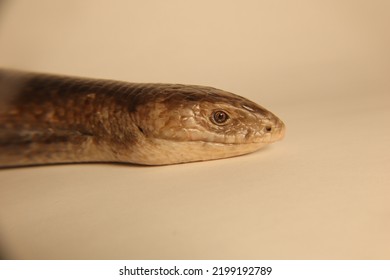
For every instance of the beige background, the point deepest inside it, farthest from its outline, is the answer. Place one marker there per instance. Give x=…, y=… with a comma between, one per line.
x=322, y=193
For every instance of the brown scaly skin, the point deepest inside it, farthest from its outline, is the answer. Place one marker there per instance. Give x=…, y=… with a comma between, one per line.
x=56, y=119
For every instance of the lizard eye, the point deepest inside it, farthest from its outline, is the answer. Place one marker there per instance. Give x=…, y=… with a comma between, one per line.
x=219, y=117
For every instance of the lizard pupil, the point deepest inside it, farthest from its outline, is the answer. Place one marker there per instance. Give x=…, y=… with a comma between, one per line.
x=220, y=117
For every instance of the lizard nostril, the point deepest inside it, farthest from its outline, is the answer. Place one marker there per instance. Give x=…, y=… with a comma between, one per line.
x=268, y=128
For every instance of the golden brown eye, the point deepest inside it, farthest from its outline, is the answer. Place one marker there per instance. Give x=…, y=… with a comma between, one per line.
x=220, y=117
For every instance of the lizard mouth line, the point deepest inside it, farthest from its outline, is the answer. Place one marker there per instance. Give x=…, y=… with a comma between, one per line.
x=212, y=142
